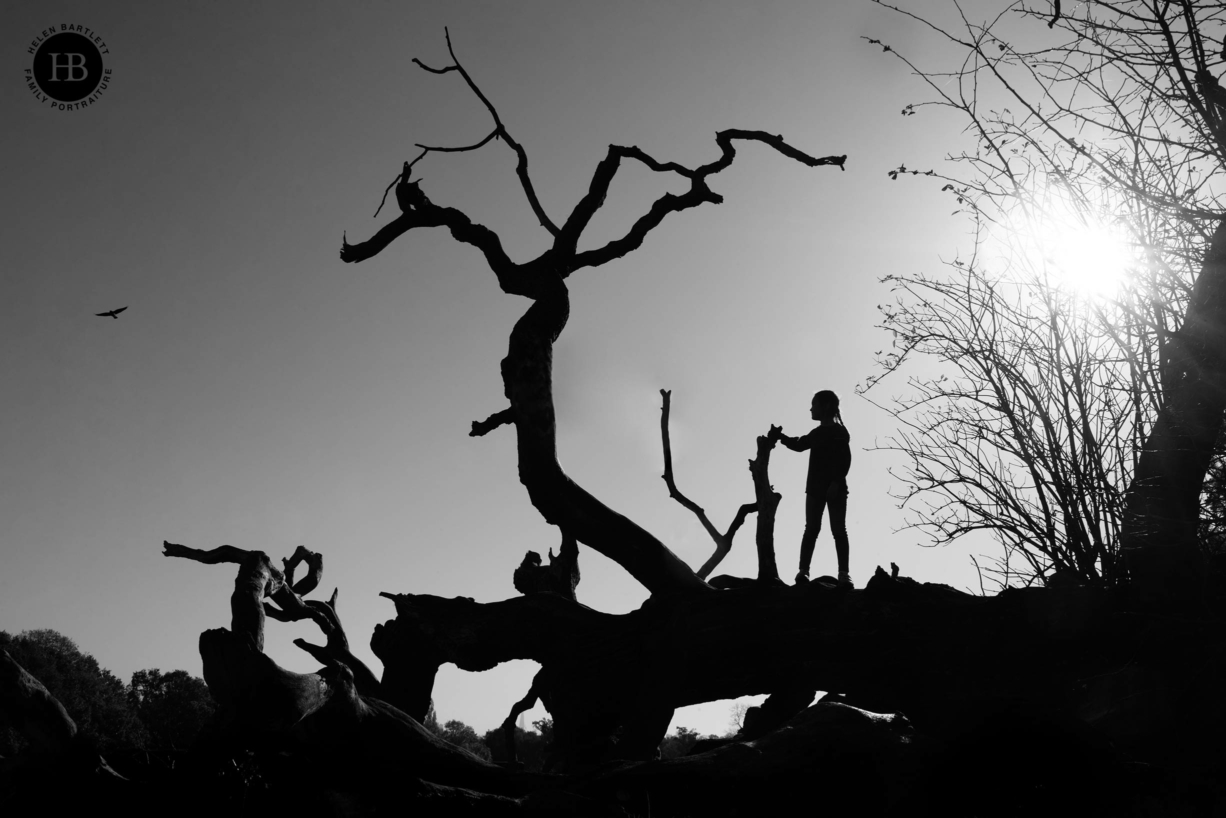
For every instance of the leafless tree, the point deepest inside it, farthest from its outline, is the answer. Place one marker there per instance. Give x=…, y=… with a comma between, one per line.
x=1115, y=107
x=1029, y=425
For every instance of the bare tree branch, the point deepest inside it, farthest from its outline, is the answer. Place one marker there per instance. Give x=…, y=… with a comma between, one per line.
x=499, y=418
x=723, y=542
x=668, y=203
x=500, y=131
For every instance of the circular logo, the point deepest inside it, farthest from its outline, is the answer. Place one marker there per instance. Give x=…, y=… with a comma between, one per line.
x=67, y=66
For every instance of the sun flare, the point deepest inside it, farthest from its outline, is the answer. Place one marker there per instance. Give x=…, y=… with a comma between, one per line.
x=1089, y=258
x=1075, y=250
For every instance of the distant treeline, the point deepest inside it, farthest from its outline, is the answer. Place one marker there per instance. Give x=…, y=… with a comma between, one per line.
x=155, y=711
x=167, y=711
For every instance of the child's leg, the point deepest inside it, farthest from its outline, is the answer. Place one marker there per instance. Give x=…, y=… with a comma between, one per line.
x=836, y=499
x=815, y=504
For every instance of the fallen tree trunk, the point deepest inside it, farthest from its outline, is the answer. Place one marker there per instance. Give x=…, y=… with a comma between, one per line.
x=940, y=656
x=1029, y=675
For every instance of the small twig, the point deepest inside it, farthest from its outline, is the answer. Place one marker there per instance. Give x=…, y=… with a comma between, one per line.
x=404, y=174
x=979, y=571
x=421, y=64
x=484, y=427
x=460, y=149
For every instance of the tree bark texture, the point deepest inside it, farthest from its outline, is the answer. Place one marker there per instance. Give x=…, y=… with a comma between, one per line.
x=1160, y=534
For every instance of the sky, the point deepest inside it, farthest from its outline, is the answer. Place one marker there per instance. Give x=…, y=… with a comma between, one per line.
x=257, y=392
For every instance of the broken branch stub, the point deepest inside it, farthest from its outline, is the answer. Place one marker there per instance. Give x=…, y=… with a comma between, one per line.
x=768, y=502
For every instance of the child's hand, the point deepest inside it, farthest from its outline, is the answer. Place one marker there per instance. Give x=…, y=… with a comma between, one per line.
x=775, y=433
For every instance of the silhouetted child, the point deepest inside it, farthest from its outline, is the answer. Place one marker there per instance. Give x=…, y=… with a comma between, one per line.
x=829, y=448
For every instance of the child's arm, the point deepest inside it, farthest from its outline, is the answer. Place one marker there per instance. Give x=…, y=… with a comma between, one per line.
x=796, y=444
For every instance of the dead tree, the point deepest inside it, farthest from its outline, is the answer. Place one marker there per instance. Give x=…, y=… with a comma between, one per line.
x=527, y=383
x=526, y=371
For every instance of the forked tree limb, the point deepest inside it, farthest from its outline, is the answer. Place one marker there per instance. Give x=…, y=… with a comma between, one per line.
x=724, y=546
x=511, y=276
x=723, y=542
x=698, y=193
x=336, y=651
x=500, y=131
x=562, y=258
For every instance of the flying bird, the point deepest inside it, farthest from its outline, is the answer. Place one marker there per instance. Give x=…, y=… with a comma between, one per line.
x=113, y=313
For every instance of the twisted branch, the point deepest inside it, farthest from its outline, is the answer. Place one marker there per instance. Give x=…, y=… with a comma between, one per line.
x=259, y=580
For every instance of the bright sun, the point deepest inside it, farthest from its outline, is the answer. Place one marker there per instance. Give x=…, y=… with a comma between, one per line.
x=1090, y=258
x=1073, y=249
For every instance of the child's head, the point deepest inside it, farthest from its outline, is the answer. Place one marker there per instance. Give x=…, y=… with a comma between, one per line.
x=826, y=406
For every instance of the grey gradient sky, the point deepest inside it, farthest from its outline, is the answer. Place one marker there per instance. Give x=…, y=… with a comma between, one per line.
x=258, y=392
